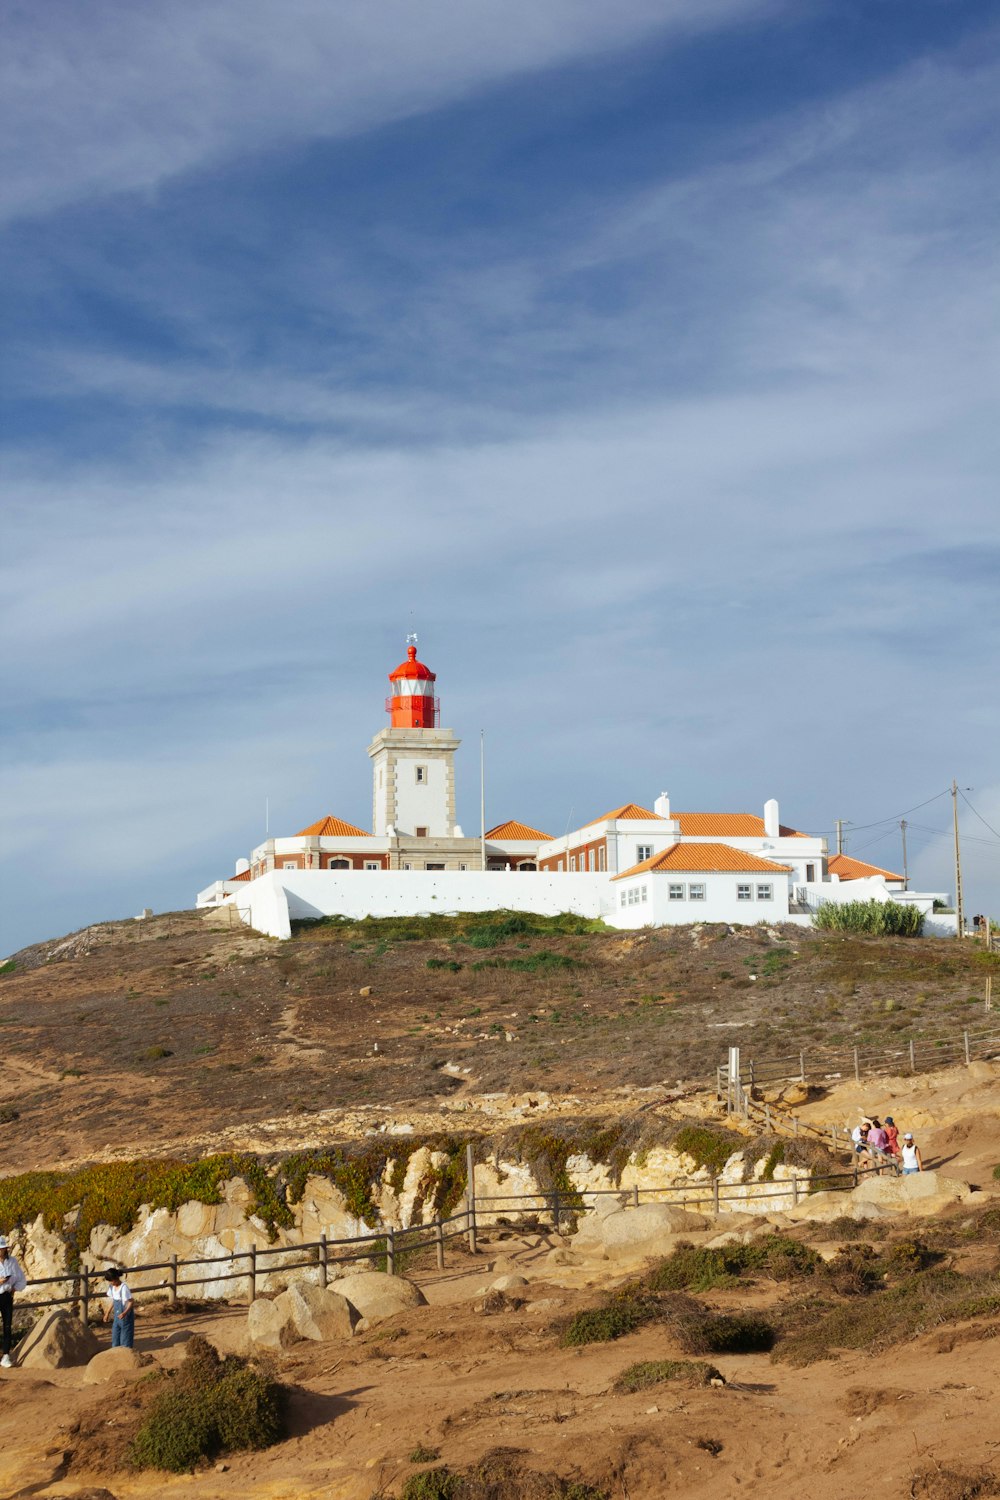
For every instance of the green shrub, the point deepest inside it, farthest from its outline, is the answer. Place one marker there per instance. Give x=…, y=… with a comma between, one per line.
x=444, y=963
x=708, y=1148
x=624, y=1312
x=650, y=1372
x=500, y=1474
x=8, y=967
x=700, y=1269
x=431, y=1484
x=875, y=918
x=727, y=1333
x=213, y=1406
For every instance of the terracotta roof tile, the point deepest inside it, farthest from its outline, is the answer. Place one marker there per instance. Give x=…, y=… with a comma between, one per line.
x=728, y=825
x=708, y=857
x=515, y=830
x=856, y=869
x=243, y=875
x=629, y=810
x=332, y=828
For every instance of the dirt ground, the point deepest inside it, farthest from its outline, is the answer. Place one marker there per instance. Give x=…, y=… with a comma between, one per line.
x=185, y=1033
x=451, y=1379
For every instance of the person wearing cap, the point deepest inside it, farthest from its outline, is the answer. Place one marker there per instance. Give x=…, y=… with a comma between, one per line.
x=12, y=1279
x=912, y=1160
x=120, y=1309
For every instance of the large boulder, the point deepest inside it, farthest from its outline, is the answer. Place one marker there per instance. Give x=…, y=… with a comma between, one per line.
x=57, y=1341
x=376, y=1295
x=919, y=1193
x=116, y=1364
x=318, y=1312
x=823, y=1208
x=634, y=1233
x=302, y=1311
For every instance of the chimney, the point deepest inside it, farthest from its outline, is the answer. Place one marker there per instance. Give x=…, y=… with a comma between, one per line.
x=661, y=806
x=772, y=822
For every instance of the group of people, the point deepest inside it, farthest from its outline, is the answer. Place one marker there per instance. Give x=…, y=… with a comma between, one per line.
x=877, y=1142
x=120, y=1307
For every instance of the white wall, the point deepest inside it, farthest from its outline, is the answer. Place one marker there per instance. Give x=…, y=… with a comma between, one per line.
x=272, y=901
x=720, y=903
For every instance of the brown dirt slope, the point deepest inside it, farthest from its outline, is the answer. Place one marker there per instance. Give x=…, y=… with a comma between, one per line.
x=138, y=1036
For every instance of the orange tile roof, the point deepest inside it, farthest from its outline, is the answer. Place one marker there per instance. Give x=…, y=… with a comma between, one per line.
x=856, y=869
x=627, y=810
x=731, y=825
x=243, y=875
x=332, y=828
x=709, y=857
x=515, y=830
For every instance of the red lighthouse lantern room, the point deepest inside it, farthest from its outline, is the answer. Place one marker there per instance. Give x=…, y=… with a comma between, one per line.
x=413, y=704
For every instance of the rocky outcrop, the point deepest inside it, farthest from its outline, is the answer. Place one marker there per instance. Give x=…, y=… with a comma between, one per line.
x=302, y=1311
x=57, y=1340
x=378, y=1296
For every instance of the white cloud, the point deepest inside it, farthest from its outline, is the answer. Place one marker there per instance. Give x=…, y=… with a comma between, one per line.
x=111, y=96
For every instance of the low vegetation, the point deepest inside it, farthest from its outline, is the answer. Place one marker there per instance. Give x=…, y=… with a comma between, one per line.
x=651, y=1372
x=211, y=1406
x=874, y=918
x=501, y=1474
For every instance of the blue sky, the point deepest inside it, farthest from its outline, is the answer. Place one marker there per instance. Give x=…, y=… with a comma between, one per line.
x=643, y=358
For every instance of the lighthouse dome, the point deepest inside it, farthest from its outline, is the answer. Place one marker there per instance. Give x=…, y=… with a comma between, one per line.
x=411, y=669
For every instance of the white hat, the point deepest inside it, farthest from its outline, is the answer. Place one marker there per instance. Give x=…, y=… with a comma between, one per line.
x=4, y=1242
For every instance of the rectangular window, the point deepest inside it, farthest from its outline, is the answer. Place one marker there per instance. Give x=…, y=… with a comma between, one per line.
x=602, y=858
x=744, y=893
x=406, y=867
x=373, y=864
x=433, y=867
x=421, y=833
x=421, y=773
x=696, y=893
x=642, y=893
x=675, y=893
x=586, y=859
x=572, y=861
x=643, y=851
x=289, y=864
x=765, y=893
x=623, y=898
x=810, y=873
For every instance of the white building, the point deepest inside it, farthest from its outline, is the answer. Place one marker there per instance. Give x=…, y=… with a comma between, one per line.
x=633, y=866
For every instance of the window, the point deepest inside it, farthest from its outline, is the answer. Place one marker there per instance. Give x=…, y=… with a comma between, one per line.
x=372, y=864
x=289, y=864
x=421, y=833
x=765, y=892
x=572, y=861
x=744, y=893
x=339, y=864
x=407, y=867
x=810, y=873
x=643, y=851
x=586, y=859
x=642, y=893
x=675, y=893
x=433, y=867
x=602, y=858
x=463, y=867
x=696, y=893
x=623, y=898
x=421, y=774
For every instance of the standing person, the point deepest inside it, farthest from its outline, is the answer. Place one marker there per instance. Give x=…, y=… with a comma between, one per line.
x=892, y=1135
x=878, y=1141
x=12, y=1279
x=120, y=1309
x=912, y=1160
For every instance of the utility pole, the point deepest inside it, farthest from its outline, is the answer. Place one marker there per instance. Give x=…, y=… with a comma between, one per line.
x=840, y=834
x=906, y=873
x=482, y=798
x=959, y=903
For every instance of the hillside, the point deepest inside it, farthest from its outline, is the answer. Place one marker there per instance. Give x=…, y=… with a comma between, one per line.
x=177, y=1032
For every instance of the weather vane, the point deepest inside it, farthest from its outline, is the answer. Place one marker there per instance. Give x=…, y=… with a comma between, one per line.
x=411, y=639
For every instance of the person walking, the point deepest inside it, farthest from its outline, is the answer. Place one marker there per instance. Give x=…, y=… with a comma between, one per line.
x=12, y=1279
x=878, y=1141
x=912, y=1160
x=120, y=1309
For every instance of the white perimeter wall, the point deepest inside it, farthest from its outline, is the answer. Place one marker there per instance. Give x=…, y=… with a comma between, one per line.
x=271, y=902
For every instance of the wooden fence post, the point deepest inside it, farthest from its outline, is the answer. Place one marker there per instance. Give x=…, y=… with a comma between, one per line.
x=323, y=1259
x=795, y=1188
x=913, y=1060
x=715, y=1196
x=965, y=1038
x=857, y=1067
x=635, y=1195
x=802, y=1067
x=439, y=1243
x=390, y=1251
x=555, y=1209
x=252, y=1257
x=470, y=1196
x=172, y=1291
x=85, y=1296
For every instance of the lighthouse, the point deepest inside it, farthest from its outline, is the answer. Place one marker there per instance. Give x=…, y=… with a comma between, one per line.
x=413, y=761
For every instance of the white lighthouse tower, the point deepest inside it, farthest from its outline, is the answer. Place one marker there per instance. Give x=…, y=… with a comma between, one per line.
x=413, y=760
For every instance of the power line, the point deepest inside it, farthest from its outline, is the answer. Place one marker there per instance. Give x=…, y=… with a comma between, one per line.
x=978, y=815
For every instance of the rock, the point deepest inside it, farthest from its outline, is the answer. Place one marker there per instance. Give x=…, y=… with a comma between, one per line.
x=502, y=1265
x=650, y=1222
x=920, y=1193
x=116, y=1364
x=317, y=1312
x=365, y=991
x=376, y=1295
x=57, y=1341
x=823, y=1208
x=508, y=1284
x=270, y=1324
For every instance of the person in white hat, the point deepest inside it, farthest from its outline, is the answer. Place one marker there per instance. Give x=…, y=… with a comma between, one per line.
x=12, y=1279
